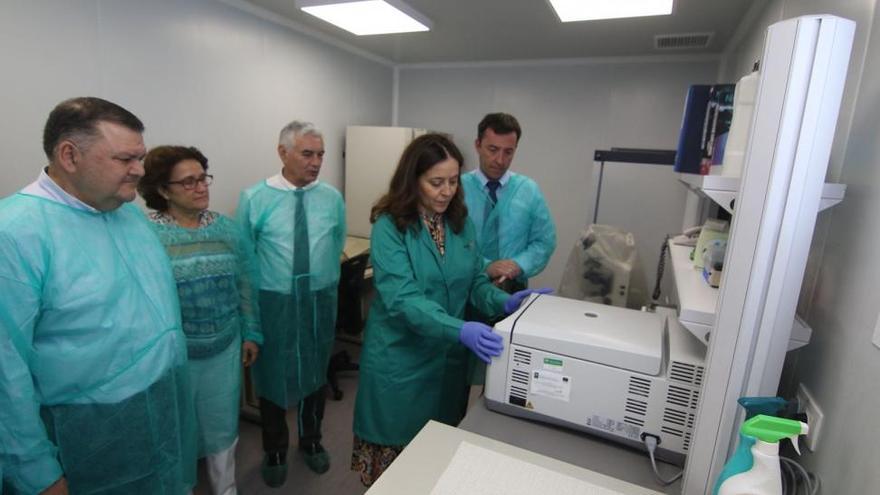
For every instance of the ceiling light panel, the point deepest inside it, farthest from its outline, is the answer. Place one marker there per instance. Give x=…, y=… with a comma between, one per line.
x=367, y=17
x=588, y=10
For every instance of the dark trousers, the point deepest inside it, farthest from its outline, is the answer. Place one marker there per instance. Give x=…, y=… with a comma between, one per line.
x=310, y=413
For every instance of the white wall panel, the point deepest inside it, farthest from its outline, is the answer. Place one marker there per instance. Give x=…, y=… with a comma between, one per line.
x=567, y=111
x=197, y=72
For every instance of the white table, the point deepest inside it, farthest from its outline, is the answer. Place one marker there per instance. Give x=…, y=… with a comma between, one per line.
x=578, y=448
x=424, y=460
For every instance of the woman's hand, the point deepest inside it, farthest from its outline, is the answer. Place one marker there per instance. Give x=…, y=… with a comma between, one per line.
x=249, y=353
x=513, y=302
x=57, y=488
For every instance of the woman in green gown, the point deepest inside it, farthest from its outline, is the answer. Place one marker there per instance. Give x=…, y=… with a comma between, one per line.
x=426, y=268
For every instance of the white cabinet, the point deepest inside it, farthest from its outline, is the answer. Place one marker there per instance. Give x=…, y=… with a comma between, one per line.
x=371, y=155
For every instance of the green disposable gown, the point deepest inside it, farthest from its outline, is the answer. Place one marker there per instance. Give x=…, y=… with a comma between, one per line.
x=93, y=382
x=413, y=368
x=215, y=270
x=297, y=311
x=519, y=227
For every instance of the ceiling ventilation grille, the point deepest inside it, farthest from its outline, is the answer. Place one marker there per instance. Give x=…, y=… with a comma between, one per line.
x=682, y=41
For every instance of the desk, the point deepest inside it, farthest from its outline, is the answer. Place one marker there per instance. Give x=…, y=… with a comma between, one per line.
x=580, y=449
x=353, y=247
x=424, y=460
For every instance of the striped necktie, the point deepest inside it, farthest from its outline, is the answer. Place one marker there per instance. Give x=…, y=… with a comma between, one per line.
x=493, y=186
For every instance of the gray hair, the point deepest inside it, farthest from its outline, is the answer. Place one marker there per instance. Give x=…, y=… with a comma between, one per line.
x=295, y=129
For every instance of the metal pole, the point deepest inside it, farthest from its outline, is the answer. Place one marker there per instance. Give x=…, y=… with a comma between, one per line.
x=598, y=191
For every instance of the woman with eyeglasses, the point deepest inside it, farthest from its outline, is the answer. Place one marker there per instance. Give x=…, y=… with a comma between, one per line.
x=215, y=270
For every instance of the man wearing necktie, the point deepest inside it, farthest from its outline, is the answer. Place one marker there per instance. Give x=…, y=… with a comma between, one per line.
x=298, y=227
x=515, y=231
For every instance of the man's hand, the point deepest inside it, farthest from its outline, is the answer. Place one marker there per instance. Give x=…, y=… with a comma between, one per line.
x=502, y=270
x=57, y=488
x=249, y=353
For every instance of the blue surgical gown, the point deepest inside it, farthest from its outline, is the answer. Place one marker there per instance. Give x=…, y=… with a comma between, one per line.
x=519, y=227
x=93, y=381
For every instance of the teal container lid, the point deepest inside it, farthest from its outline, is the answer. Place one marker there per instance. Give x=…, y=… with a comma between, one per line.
x=770, y=406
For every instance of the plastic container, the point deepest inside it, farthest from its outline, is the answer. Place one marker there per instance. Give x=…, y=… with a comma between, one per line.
x=754, y=467
x=743, y=107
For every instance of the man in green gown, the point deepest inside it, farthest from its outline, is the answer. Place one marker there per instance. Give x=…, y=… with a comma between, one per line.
x=297, y=225
x=93, y=389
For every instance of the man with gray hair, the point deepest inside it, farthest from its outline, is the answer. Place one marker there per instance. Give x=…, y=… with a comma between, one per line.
x=298, y=227
x=93, y=380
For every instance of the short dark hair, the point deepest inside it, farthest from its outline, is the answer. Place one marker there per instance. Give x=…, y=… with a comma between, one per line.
x=401, y=201
x=77, y=118
x=500, y=123
x=158, y=164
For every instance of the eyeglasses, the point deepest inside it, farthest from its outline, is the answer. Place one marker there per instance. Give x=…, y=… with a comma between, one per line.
x=190, y=182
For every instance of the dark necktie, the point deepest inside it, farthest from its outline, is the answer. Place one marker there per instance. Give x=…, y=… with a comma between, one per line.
x=490, y=229
x=493, y=186
x=305, y=311
x=300, y=235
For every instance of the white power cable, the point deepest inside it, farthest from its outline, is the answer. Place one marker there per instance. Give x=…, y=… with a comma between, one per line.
x=799, y=477
x=651, y=444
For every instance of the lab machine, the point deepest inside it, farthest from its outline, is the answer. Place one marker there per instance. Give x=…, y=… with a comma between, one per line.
x=622, y=374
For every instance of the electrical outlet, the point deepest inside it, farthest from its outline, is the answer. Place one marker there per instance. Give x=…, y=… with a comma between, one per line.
x=807, y=404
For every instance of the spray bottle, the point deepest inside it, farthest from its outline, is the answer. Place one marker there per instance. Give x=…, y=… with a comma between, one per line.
x=754, y=468
x=742, y=458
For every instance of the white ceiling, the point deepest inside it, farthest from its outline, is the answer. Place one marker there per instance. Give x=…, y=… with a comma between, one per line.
x=495, y=30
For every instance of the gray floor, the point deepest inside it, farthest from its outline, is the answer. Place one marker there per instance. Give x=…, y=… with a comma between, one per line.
x=300, y=480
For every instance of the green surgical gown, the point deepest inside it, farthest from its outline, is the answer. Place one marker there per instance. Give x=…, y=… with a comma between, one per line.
x=413, y=367
x=215, y=270
x=519, y=227
x=93, y=380
x=297, y=312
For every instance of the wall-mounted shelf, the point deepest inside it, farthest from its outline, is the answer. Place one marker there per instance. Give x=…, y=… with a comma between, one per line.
x=697, y=300
x=723, y=190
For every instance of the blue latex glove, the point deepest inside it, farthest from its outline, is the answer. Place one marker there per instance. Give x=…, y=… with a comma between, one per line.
x=512, y=303
x=480, y=339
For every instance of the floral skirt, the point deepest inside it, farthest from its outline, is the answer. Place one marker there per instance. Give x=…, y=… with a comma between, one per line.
x=371, y=460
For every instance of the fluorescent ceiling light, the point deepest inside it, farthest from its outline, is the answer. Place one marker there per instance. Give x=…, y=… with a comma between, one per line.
x=367, y=16
x=588, y=10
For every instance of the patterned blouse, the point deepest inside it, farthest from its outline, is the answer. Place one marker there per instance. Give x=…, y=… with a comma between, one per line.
x=214, y=269
x=434, y=222
x=206, y=218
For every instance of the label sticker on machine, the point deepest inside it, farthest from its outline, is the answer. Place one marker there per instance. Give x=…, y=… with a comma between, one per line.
x=550, y=384
x=616, y=427
x=553, y=364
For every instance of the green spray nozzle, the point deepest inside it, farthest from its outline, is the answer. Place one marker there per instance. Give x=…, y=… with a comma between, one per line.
x=771, y=429
x=769, y=406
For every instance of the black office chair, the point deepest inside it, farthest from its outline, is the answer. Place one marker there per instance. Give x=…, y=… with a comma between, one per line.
x=349, y=318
